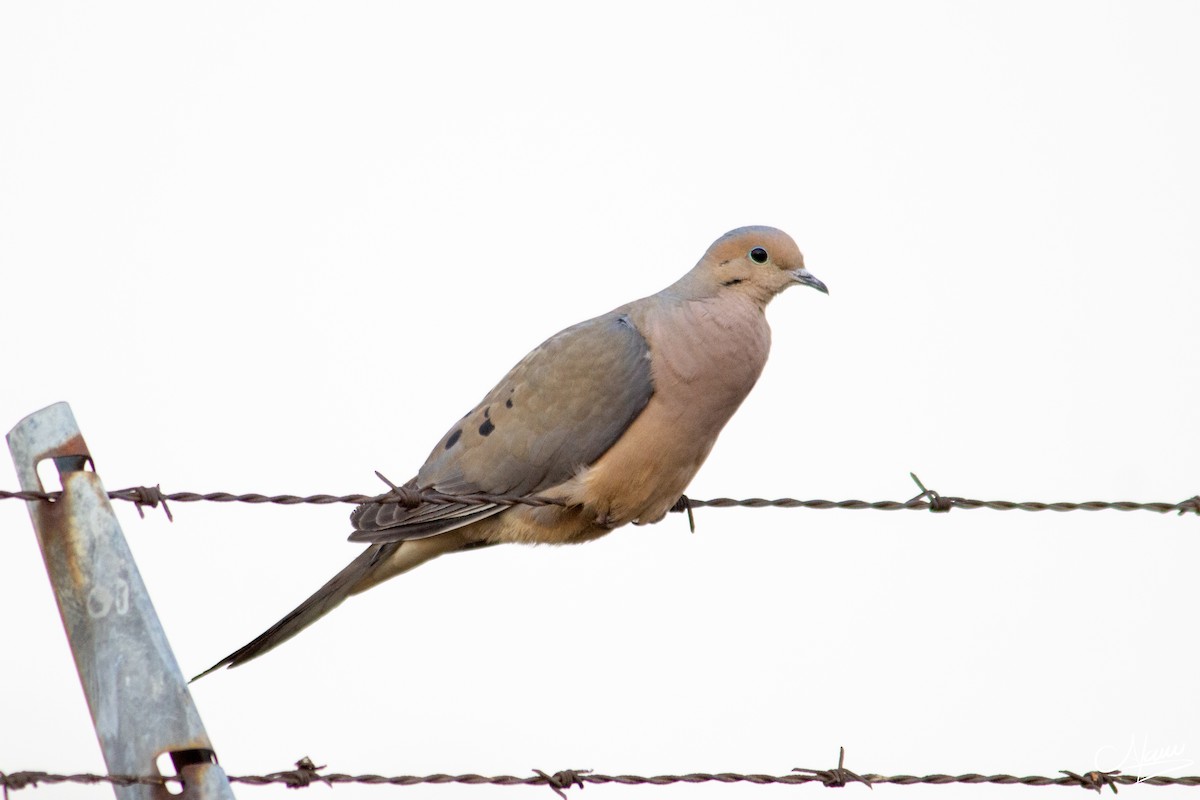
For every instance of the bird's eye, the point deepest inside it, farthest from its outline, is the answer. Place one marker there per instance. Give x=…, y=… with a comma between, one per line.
x=758, y=255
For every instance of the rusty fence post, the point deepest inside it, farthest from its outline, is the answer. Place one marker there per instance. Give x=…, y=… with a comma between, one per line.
x=139, y=700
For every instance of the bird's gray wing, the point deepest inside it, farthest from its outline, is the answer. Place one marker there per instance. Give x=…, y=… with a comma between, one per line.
x=557, y=411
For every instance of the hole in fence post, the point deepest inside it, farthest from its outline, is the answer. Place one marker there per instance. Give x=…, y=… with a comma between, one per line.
x=48, y=475
x=51, y=470
x=173, y=763
x=182, y=759
x=166, y=767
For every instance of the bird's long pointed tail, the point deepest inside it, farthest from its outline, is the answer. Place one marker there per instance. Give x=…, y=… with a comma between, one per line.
x=375, y=565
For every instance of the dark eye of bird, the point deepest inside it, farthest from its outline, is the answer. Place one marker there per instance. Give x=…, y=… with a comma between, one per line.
x=759, y=255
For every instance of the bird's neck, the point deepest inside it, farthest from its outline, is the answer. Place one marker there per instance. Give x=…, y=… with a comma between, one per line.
x=700, y=286
x=725, y=347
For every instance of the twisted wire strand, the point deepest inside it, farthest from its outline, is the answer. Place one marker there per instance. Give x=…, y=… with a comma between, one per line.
x=307, y=774
x=927, y=501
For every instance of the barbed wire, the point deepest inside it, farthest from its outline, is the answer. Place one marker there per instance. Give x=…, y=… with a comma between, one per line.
x=927, y=500
x=308, y=773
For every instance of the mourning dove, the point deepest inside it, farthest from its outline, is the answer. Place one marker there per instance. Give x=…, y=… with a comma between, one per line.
x=612, y=417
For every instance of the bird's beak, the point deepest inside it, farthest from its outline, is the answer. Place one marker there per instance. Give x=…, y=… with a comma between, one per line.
x=808, y=279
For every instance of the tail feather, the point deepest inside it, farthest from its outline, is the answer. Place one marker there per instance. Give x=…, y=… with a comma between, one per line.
x=322, y=601
x=376, y=564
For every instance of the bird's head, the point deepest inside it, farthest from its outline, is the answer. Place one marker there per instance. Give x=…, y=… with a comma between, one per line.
x=756, y=260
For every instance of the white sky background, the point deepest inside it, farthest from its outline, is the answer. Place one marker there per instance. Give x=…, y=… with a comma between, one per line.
x=273, y=247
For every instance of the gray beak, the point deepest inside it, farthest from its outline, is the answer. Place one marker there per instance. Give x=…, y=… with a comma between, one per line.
x=808, y=279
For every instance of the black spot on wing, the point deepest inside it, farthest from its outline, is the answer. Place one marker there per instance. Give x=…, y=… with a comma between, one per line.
x=453, y=438
x=508, y=403
x=486, y=428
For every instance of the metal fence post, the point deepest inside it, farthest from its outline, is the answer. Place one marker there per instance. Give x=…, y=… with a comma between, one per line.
x=139, y=700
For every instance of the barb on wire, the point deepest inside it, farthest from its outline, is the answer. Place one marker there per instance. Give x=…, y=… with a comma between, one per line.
x=1191, y=504
x=839, y=775
x=150, y=496
x=1095, y=779
x=927, y=500
x=937, y=503
x=563, y=780
x=684, y=503
x=307, y=773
